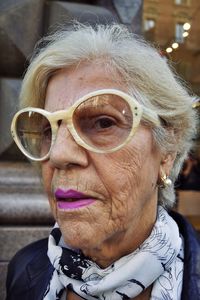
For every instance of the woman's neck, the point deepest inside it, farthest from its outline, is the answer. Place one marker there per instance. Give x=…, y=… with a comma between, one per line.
x=144, y=295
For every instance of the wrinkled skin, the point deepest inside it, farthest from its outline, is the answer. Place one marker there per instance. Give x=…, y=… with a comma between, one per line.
x=124, y=182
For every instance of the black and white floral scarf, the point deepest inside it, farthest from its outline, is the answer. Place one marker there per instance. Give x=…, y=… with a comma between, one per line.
x=158, y=261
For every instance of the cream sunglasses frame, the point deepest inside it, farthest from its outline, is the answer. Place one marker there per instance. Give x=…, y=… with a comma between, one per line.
x=137, y=110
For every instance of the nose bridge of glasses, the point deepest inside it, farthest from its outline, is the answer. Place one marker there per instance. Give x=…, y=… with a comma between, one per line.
x=57, y=118
x=61, y=119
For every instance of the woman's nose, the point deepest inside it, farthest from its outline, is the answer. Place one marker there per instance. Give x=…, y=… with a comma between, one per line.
x=65, y=151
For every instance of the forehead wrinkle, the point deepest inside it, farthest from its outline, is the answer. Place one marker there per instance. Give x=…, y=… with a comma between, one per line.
x=60, y=102
x=70, y=84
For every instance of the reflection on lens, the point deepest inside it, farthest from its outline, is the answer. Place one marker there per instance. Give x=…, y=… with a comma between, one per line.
x=103, y=122
x=34, y=133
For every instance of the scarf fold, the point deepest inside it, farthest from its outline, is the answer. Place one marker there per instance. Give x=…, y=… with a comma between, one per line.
x=158, y=261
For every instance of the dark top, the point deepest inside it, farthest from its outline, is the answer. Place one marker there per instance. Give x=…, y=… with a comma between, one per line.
x=30, y=270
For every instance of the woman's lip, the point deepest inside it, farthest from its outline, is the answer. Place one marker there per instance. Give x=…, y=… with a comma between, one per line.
x=64, y=194
x=65, y=205
x=72, y=199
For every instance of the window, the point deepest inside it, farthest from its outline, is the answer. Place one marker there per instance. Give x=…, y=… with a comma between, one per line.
x=181, y=2
x=149, y=29
x=179, y=33
x=149, y=24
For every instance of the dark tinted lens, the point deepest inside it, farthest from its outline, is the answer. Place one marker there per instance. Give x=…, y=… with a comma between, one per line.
x=34, y=132
x=103, y=122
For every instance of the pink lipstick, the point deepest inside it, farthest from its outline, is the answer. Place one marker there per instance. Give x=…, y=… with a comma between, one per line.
x=72, y=199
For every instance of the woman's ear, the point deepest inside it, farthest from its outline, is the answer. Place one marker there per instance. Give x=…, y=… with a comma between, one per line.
x=166, y=164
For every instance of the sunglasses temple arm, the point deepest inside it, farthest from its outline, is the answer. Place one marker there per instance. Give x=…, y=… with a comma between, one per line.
x=151, y=116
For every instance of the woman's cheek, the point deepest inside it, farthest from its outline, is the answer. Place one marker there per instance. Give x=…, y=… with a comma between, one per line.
x=47, y=176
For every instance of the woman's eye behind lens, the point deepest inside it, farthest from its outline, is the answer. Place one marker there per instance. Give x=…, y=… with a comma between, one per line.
x=102, y=123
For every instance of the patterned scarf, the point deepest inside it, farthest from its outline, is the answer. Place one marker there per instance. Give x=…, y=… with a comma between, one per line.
x=158, y=261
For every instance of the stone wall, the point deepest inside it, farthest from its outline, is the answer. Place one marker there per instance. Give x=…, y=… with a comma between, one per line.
x=24, y=212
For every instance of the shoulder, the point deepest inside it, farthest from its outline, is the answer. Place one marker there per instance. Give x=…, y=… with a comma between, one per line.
x=26, y=265
x=191, y=237
x=191, y=276
x=25, y=256
x=28, y=252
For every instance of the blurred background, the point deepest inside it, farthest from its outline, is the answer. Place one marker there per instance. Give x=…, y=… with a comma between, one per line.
x=171, y=25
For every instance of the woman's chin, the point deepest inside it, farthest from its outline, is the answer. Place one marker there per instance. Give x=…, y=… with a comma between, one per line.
x=84, y=244
x=78, y=235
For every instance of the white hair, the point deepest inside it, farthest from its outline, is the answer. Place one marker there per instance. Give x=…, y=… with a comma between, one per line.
x=146, y=74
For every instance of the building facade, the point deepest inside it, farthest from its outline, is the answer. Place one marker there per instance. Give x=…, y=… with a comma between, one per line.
x=173, y=25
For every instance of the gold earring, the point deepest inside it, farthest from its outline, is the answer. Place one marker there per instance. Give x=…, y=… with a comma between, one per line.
x=165, y=181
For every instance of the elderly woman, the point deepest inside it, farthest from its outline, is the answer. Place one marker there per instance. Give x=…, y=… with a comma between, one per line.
x=110, y=126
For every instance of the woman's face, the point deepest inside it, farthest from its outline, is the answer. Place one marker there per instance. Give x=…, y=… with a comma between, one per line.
x=122, y=183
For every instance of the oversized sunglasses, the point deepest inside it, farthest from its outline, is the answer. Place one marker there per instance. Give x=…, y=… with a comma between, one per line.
x=102, y=121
